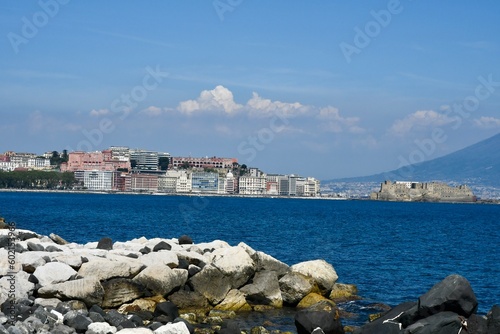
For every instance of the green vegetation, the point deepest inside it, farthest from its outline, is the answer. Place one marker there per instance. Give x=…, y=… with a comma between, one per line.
x=57, y=159
x=37, y=180
x=163, y=163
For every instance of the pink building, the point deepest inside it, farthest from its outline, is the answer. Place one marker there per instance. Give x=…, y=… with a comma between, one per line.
x=101, y=161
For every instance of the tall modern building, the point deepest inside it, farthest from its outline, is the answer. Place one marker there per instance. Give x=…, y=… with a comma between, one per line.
x=144, y=160
x=98, y=180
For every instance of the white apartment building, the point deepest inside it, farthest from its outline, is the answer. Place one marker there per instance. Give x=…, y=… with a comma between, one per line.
x=183, y=183
x=98, y=180
x=252, y=185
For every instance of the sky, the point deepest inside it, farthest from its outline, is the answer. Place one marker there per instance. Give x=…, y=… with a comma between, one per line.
x=327, y=89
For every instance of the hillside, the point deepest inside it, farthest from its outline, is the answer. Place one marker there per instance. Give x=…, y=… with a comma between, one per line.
x=475, y=165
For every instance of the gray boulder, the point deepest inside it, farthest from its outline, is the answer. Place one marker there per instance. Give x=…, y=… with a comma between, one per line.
x=493, y=320
x=118, y=291
x=235, y=263
x=161, y=279
x=264, y=261
x=212, y=283
x=104, y=269
x=264, y=290
x=88, y=290
x=442, y=323
x=294, y=287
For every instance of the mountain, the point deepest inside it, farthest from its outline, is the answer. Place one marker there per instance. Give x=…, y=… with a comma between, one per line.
x=476, y=165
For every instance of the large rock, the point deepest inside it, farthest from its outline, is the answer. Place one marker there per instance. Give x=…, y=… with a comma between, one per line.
x=100, y=328
x=453, y=294
x=57, y=239
x=118, y=291
x=294, y=287
x=493, y=321
x=235, y=263
x=166, y=258
x=388, y=323
x=173, y=328
x=32, y=260
x=264, y=290
x=312, y=299
x=135, y=331
x=264, y=261
x=235, y=301
x=23, y=287
x=72, y=260
x=189, y=301
x=161, y=279
x=53, y=272
x=321, y=271
x=442, y=323
x=342, y=292
x=143, y=304
x=326, y=319
x=212, y=283
x=88, y=290
x=104, y=269
x=105, y=243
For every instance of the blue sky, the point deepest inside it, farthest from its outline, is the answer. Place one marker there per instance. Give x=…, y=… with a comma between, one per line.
x=326, y=89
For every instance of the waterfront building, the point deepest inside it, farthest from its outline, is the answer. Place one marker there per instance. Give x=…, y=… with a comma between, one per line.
x=184, y=183
x=168, y=181
x=205, y=182
x=144, y=182
x=98, y=180
x=252, y=185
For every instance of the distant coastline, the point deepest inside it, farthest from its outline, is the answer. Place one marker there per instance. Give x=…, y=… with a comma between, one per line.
x=331, y=198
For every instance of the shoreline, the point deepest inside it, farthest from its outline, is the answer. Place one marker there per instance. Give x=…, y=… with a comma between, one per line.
x=480, y=201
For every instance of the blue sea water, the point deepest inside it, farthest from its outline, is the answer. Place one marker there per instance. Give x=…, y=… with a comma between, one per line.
x=392, y=251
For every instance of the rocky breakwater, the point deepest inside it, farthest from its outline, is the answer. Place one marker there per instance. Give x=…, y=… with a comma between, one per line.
x=156, y=286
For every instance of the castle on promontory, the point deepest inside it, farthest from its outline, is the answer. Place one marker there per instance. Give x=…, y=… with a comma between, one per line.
x=422, y=192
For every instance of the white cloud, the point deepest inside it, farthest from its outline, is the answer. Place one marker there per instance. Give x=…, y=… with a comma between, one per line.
x=218, y=99
x=260, y=107
x=487, y=122
x=152, y=111
x=418, y=120
x=99, y=112
x=334, y=122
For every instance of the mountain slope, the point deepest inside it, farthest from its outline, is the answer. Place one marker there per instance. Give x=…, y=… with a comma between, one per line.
x=478, y=164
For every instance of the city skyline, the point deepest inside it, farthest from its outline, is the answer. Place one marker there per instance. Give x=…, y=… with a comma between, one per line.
x=332, y=90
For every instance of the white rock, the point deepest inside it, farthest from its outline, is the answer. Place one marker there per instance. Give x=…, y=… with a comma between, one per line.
x=5, y=266
x=60, y=317
x=103, y=269
x=32, y=260
x=192, y=257
x=135, y=331
x=234, y=262
x=164, y=257
x=161, y=279
x=74, y=261
x=321, y=271
x=47, y=302
x=53, y=272
x=20, y=281
x=216, y=244
x=100, y=328
x=173, y=328
x=88, y=290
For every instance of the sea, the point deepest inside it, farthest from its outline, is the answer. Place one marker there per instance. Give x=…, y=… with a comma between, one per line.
x=393, y=251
